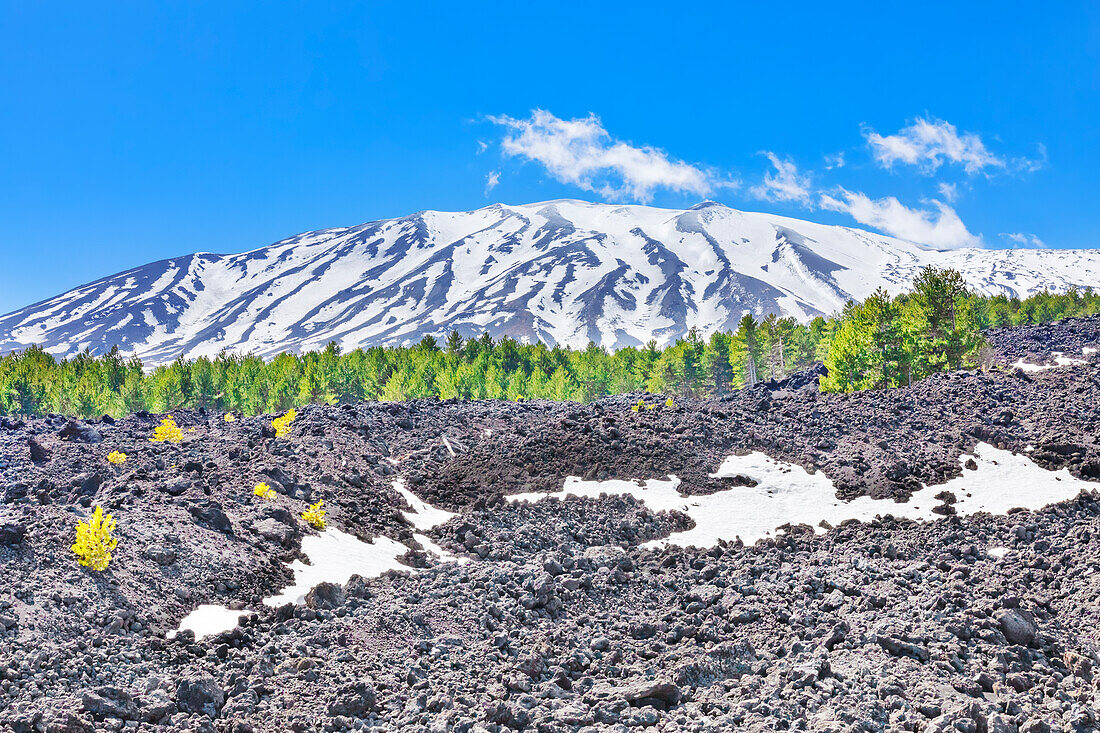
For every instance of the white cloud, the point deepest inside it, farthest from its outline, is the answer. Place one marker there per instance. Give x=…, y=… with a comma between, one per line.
x=949, y=191
x=940, y=228
x=582, y=153
x=482, y=146
x=835, y=160
x=786, y=184
x=1023, y=239
x=928, y=144
x=491, y=181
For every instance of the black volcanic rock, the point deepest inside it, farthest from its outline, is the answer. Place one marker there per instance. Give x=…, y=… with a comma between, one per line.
x=565, y=614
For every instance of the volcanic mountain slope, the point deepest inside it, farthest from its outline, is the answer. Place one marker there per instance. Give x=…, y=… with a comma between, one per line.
x=562, y=615
x=561, y=272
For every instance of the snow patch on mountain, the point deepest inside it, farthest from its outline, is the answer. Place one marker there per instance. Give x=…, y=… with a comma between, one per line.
x=562, y=272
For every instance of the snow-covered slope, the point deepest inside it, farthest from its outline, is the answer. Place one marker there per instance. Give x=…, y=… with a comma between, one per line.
x=563, y=272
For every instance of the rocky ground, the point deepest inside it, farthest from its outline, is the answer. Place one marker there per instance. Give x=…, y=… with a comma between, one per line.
x=560, y=620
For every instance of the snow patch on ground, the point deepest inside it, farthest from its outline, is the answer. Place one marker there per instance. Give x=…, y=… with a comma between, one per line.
x=438, y=551
x=1060, y=360
x=423, y=515
x=208, y=619
x=788, y=494
x=334, y=557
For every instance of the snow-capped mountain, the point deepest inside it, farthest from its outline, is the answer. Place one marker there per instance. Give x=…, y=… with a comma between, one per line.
x=563, y=272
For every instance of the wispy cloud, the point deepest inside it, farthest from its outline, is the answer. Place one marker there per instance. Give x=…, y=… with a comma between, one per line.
x=928, y=144
x=785, y=184
x=491, y=181
x=582, y=153
x=835, y=160
x=1030, y=165
x=1023, y=239
x=939, y=227
x=949, y=191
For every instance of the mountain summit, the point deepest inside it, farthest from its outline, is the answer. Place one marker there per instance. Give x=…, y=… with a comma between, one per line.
x=563, y=272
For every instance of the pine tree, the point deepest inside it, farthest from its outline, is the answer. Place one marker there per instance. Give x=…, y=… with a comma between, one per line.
x=716, y=364
x=454, y=344
x=747, y=337
x=940, y=292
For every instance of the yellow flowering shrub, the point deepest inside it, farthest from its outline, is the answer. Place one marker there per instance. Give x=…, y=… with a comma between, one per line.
x=116, y=458
x=669, y=403
x=230, y=417
x=94, y=540
x=282, y=424
x=264, y=491
x=167, y=431
x=315, y=515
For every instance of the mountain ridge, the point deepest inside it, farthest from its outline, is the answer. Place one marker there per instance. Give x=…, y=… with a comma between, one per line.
x=563, y=272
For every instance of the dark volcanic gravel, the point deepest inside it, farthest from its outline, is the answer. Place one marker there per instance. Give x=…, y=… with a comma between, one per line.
x=559, y=620
x=1035, y=344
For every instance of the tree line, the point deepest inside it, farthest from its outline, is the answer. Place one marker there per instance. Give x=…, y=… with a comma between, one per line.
x=883, y=342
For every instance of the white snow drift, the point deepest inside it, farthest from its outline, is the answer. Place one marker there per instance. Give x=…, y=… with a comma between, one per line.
x=334, y=556
x=208, y=619
x=787, y=493
x=1060, y=360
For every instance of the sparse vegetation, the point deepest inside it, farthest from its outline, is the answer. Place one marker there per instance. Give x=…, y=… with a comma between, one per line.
x=95, y=540
x=883, y=342
x=263, y=491
x=116, y=458
x=167, y=432
x=314, y=516
x=282, y=424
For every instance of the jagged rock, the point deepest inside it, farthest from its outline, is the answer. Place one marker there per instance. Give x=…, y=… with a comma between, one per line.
x=275, y=531
x=1018, y=626
x=326, y=596
x=200, y=695
x=12, y=532
x=110, y=702
x=901, y=648
x=38, y=452
x=653, y=693
x=79, y=432
x=212, y=515
x=354, y=699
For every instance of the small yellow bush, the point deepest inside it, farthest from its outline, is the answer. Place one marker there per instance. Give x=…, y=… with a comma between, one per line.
x=669, y=403
x=282, y=424
x=315, y=515
x=94, y=541
x=264, y=491
x=167, y=431
x=230, y=417
x=116, y=457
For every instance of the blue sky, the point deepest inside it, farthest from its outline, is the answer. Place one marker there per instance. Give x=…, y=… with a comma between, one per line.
x=134, y=131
